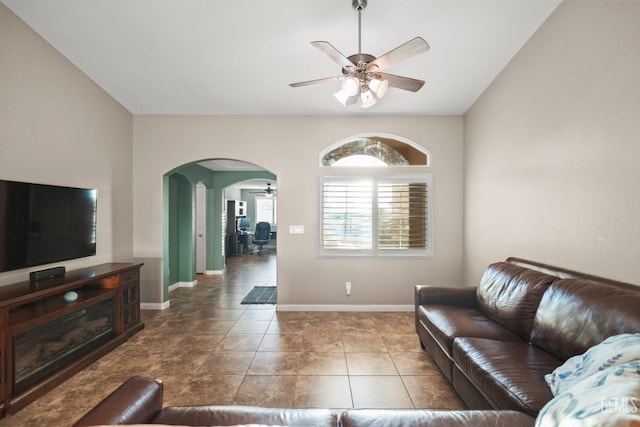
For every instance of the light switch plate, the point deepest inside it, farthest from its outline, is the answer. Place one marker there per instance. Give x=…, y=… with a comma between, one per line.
x=296, y=229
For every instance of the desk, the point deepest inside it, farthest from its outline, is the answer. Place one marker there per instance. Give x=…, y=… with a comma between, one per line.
x=239, y=243
x=245, y=239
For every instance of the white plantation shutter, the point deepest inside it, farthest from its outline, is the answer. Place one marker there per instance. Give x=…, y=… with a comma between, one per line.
x=376, y=216
x=347, y=215
x=402, y=215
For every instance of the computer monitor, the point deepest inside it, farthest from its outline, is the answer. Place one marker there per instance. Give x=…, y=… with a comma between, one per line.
x=244, y=224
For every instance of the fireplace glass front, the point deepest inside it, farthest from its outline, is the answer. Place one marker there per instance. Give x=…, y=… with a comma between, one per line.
x=45, y=348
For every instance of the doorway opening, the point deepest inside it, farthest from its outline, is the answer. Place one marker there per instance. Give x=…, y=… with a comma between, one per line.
x=211, y=209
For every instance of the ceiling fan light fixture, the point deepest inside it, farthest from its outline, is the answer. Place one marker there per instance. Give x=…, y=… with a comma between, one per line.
x=379, y=87
x=368, y=99
x=350, y=86
x=344, y=98
x=362, y=73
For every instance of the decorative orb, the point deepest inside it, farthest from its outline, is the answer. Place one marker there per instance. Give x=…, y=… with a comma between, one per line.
x=70, y=296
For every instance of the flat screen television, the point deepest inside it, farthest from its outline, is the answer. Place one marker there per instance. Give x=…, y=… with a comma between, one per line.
x=42, y=224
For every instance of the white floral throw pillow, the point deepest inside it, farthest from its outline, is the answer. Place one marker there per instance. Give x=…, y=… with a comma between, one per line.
x=608, y=398
x=613, y=351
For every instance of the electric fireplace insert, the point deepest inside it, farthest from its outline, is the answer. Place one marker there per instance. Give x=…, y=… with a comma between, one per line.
x=43, y=349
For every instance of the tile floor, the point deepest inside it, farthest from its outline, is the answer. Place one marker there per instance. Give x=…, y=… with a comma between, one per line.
x=209, y=349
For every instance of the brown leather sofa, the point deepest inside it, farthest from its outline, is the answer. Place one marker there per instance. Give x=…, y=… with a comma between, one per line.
x=139, y=401
x=495, y=342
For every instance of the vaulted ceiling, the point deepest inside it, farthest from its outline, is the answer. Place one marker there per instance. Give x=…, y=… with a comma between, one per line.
x=238, y=57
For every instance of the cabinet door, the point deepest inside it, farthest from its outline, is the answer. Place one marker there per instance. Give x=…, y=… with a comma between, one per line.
x=130, y=306
x=3, y=360
x=129, y=299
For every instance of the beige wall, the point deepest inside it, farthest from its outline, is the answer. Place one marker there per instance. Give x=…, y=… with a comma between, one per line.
x=552, y=148
x=549, y=162
x=290, y=147
x=58, y=127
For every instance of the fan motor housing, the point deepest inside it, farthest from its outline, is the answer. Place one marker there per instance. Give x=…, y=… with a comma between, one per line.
x=361, y=60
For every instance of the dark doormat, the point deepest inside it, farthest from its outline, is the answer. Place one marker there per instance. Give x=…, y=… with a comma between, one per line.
x=261, y=295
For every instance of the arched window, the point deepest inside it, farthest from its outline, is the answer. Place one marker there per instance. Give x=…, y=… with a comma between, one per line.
x=387, y=149
x=376, y=198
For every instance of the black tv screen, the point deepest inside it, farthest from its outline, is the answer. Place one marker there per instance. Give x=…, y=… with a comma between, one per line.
x=41, y=224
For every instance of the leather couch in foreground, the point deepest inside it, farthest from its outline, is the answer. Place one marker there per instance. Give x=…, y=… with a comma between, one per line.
x=139, y=401
x=496, y=342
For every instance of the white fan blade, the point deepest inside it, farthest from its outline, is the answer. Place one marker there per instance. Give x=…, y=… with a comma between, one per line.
x=312, y=82
x=400, y=82
x=411, y=48
x=333, y=53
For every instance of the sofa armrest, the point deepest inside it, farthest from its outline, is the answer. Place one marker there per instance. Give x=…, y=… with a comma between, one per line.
x=137, y=401
x=456, y=296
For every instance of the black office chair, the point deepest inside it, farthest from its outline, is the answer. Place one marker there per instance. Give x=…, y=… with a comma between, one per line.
x=262, y=236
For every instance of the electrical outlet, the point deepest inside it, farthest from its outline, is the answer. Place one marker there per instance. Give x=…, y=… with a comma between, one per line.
x=347, y=287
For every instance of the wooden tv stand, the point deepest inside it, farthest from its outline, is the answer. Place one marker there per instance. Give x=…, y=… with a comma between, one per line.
x=45, y=340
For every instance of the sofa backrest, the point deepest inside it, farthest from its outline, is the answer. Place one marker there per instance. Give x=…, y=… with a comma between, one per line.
x=576, y=314
x=509, y=294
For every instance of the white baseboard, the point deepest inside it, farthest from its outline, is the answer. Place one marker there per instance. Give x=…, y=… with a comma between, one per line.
x=187, y=284
x=213, y=272
x=307, y=307
x=344, y=307
x=154, y=306
x=182, y=285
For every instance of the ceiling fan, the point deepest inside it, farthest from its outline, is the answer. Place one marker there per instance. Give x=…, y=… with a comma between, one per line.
x=362, y=74
x=267, y=191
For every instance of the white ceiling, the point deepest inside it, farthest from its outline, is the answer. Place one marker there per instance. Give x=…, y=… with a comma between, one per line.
x=231, y=165
x=238, y=57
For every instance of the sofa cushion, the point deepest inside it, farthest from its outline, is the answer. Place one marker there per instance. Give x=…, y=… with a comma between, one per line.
x=606, y=398
x=448, y=322
x=509, y=294
x=509, y=373
x=575, y=314
x=420, y=418
x=615, y=350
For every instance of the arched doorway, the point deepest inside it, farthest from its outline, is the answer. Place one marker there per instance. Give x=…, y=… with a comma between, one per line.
x=180, y=225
